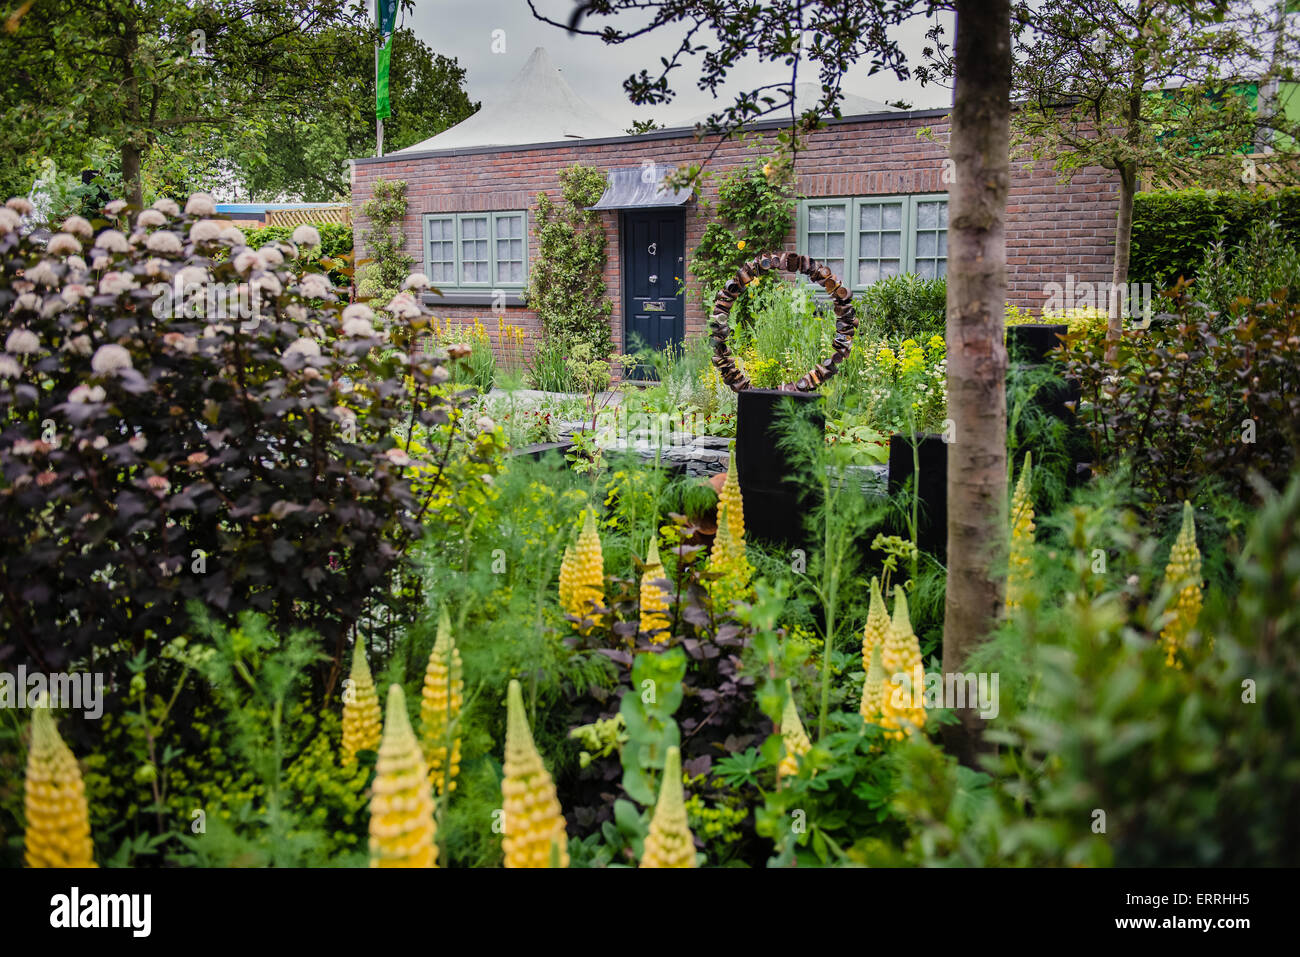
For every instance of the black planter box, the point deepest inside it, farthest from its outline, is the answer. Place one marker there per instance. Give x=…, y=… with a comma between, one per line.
x=775, y=503
x=1032, y=342
x=537, y=451
x=1029, y=345
x=931, y=484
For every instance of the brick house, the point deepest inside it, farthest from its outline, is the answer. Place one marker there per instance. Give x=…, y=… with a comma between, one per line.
x=873, y=202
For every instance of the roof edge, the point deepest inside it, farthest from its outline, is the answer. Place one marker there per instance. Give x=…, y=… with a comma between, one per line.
x=672, y=133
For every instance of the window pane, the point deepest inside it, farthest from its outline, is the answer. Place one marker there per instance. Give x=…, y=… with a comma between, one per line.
x=509, y=227
x=891, y=244
x=889, y=267
x=511, y=272
x=925, y=268
x=868, y=272
x=925, y=245
x=475, y=228
x=941, y=267
x=836, y=266
x=869, y=218
x=943, y=243
x=869, y=245
x=893, y=216
x=943, y=215
x=835, y=245
x=816, y=218
x=836, y=217
x=817, y=245
x=927, y=215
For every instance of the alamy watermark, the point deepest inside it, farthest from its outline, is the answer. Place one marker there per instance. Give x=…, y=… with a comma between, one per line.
x=977, y=691
x=60, y=690
x=1131, y=301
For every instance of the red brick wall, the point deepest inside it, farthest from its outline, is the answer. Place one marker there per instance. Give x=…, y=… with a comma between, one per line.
x=1052, y=228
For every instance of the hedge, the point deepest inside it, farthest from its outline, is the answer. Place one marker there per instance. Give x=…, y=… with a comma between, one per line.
x=335, y=242
x=1173, y=229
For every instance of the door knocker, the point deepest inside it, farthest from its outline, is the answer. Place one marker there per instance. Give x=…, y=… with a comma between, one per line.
x=654, y=249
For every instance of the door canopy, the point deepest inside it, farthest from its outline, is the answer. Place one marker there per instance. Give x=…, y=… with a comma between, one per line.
x=640, y=187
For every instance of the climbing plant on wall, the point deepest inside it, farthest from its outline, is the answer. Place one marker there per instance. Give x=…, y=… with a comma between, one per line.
x=389, y=265
x=752, y=214
x=567, y=289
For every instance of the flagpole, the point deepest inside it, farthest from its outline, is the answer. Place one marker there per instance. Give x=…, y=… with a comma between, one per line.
x=379, y=120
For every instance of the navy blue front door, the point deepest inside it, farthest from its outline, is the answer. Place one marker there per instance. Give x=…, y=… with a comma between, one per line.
x=654, y=253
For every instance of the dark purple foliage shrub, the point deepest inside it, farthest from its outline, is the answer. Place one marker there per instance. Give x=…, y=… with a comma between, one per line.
x=182, y=419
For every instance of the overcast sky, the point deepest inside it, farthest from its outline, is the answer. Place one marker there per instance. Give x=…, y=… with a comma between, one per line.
x=464, y=29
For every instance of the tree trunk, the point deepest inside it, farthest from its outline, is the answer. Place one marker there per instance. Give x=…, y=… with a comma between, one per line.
x=977, y=356
x=131, y=181
x=1123, y=247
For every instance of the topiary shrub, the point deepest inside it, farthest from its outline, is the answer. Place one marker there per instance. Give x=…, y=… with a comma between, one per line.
x=907, y=305
x=157, y=449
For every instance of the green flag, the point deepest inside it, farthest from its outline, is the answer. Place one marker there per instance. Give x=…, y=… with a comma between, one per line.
x=386, y=18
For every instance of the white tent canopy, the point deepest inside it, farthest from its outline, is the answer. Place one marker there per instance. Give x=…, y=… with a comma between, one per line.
x=806, y=96
x=540, y=108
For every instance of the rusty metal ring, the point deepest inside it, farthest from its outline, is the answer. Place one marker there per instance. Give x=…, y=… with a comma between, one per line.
x=846, y=320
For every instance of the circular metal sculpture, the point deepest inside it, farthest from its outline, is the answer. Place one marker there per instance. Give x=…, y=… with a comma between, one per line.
x=846, y=321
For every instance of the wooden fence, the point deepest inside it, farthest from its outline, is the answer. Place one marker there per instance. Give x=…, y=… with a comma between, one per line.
x=1268, y=170
x=317, y=214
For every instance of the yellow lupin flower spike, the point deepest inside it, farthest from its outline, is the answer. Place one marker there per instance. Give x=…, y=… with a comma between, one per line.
x=670, y=842
x=794, y=735
x=588, y=570
x=401, y=803
x=727, y=556
x=654, y=598
x=568, y=574
x=440, y=704
x=1183, y=573
x=902, y=706
x=361, y=717
x=732, y=502
x=534, y=834
x=877, y=626
x=873, y=689
x=1019, y=562
x=58, y=820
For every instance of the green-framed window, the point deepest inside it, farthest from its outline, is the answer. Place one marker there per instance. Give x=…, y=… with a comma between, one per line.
x=826, y=233
x=867, y=238
x=487, y=250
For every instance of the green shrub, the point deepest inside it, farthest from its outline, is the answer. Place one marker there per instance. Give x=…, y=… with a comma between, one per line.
x=1106, y=755
x=752, y=215
x=1173, y=230
x=1254, y=270
x=906, y=305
